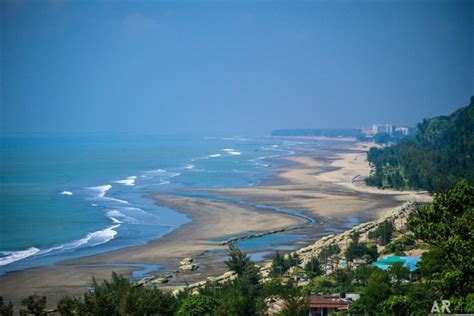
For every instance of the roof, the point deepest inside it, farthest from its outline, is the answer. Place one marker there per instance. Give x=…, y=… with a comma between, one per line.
x=385, y=262
x=326, y=302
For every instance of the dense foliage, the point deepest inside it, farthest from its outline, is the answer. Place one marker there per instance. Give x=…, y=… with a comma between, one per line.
x=383, y=233
x=358, y=250
x=441, y=153
x=447, y=226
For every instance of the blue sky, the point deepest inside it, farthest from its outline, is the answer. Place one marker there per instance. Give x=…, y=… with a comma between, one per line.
x=218, y=66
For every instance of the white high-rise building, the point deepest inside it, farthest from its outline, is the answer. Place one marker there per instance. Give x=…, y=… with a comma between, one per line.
x=383, y=128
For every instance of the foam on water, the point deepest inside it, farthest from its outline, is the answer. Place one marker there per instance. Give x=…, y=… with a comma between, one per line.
x=231, y=151
x=129, y=181
x=214, y=155
x=91, y=239
x=114, y=214
x=12, y=256
x=101, y=190
x=66, y=193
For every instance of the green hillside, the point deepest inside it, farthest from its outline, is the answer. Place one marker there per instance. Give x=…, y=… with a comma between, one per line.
x=438, y=156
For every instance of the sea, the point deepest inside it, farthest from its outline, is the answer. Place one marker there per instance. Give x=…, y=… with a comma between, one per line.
x=65, y=197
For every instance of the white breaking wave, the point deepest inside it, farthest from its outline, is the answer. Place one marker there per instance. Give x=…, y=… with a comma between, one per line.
x=12, y=256
x=102, y=190
x=190, y=166
x=215, y=155
x=66, y=193
x=129, y=181
x=115, y=221
x=231, y=151
x=115, y=214
x=91, y=239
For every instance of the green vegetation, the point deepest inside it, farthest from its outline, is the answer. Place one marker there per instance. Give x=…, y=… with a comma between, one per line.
x=438, y=156
x=238, y=260
x=447, y=226
x=398, y=246
x=5, y=309
x=358, y=250
x=383, y=233
x=34, y=304
x=197, y=305
x=281, y=264
x=313, y=267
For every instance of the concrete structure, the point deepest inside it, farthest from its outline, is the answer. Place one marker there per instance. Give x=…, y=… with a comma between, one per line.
x=405, y=130
x=319, y=305
x=383, y=128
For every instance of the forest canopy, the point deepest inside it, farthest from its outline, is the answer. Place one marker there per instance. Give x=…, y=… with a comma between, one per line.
x=440, y=154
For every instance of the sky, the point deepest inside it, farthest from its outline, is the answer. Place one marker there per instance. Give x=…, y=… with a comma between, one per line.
x=229, y=67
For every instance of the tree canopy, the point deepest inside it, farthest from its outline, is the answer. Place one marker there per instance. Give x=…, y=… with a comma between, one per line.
x=441, y=154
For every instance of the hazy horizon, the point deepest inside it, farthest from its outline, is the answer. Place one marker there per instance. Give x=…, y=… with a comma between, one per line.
x=227, y=67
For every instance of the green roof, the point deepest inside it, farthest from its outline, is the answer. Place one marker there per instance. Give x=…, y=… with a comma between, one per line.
x=390, y=260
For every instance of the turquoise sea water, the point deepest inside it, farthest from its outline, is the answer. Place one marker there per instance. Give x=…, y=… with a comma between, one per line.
x=70, y=196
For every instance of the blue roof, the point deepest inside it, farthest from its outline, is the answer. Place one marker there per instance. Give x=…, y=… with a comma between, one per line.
x=408, y=261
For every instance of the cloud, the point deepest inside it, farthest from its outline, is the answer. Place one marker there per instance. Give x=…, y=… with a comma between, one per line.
x=137, y=22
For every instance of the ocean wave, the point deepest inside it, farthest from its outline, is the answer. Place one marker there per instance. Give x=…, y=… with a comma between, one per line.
x=189, y=166
x=12, y=256
x=231, y=151
x=214, y=155
x=115, y=221
x=91, y=239
x=101, y=190
x=129, y=181
x=66, y=193
x=115, y=214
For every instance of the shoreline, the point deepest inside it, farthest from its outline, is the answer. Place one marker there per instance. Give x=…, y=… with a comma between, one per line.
x=308, y=184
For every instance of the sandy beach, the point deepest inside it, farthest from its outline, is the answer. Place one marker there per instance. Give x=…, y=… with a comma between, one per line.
x=323, y=184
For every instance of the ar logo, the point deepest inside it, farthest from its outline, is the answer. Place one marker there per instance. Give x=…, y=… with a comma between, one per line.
x=435, y=309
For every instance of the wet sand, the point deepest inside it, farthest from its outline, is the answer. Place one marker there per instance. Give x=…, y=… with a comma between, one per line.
x=318, y=182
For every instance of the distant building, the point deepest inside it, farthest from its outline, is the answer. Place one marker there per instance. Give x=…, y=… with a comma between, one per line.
x=405, y=131
x=383, y=128
x=320, y=305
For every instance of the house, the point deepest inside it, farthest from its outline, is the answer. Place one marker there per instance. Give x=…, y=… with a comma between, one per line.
x=320, y=305
x=359, y=262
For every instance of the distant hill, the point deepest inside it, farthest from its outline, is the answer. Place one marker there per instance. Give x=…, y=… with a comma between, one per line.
x=329, y=132
x=441, y=153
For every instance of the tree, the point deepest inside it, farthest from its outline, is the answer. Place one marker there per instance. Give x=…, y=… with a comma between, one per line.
x=378, y=289
x=362, y=273
x=381, y=138
x=397, y=305
x=197, y=305
x=67, y=306
x=343, y=278
x=296, y=305
x=446, y=224
x=34, y=304
x=313, y=266
x=384, y=232
x=238, y=260
x=435, y=159
x=279, y=265
x=294, y=259
x=357, y=249
x=6, y=309
x=398, y=272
